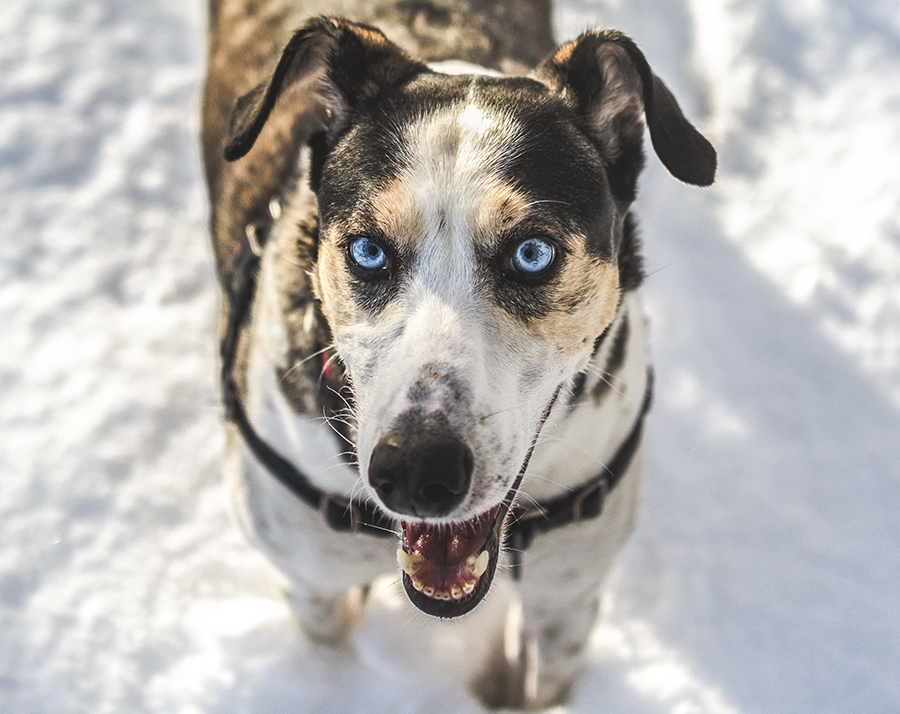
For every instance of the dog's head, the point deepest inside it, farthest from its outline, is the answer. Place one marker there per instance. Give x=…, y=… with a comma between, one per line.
x=470, y=231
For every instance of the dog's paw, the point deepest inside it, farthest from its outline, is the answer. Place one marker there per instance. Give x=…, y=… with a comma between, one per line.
x=512, y=679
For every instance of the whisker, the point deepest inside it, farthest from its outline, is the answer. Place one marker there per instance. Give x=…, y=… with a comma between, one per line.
x=526, y=497
x=600, y=372
x=499, y=411
x=664, y=267
x=575, y=446
x=605, y=377
x=328, y=421
x=299, y=364
x=388, y=585
x=547, y=479
x=545, y=200
x=331, y=360
x=350, y=408
x=616, y=389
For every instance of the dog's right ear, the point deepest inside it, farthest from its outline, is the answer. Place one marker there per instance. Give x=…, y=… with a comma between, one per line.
x=330, y=64
x=609, y=81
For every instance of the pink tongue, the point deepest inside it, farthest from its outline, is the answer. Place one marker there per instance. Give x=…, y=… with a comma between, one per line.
x=450, y=544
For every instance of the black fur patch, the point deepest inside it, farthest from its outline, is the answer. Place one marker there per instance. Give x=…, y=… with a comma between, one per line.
x=319, y=150
x=630, y=258
x=580, y=381
x=613, y=363
x=558, y=167
x=577, y=388
x=552, y=162
x=598, y=343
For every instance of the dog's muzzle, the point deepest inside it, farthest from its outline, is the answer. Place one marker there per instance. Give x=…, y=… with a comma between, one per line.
x=422, y=469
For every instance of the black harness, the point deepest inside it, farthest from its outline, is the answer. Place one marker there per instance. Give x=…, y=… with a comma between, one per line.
x=346, y=515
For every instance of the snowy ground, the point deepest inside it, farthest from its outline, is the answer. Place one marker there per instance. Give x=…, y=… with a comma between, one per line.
x=765, y=575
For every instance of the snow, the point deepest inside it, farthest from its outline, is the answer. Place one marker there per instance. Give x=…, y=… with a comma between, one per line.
x=764, y=575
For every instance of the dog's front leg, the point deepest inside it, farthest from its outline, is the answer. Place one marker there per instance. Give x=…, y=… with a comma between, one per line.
x=326, y=617
x=538, y=654
x=560, y=588
x=553, y=636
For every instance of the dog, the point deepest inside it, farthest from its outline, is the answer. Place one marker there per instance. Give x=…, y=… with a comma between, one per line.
x=434, y=354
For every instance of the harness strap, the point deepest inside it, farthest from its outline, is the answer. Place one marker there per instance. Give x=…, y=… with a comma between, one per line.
x=346, y=515
x=341, y=513
x=585, y=502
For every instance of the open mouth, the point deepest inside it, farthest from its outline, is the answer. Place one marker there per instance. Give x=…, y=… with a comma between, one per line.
x=448, y=568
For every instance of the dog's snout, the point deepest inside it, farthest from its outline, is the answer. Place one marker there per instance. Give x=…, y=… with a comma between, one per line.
x=421, y=474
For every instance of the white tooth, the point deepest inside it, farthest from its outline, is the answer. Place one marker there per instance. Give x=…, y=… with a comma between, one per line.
x=418, y=584
x=456, y=592
x=477, y=564
x=409, y=562
x=444, y=595
x=468, y=587
x=428, y=590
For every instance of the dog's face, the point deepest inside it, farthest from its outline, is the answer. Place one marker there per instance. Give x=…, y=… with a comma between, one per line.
x=467, y=264
x=465, y=279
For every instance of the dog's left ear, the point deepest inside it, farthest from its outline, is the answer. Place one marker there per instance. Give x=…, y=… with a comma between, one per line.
x=610, y=83
x=330, y=68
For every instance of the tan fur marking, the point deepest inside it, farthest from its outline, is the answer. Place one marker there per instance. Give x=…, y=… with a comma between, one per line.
x=333, y=289
x=592, y=286
x=554, y=70
x=500, y=209
x=397, y=211
x=564, y=53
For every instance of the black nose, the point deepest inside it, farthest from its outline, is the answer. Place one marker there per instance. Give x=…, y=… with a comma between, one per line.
x=421, y=471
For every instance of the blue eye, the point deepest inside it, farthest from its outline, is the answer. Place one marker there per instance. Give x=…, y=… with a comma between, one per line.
x=367, y=254
x=532, y=256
